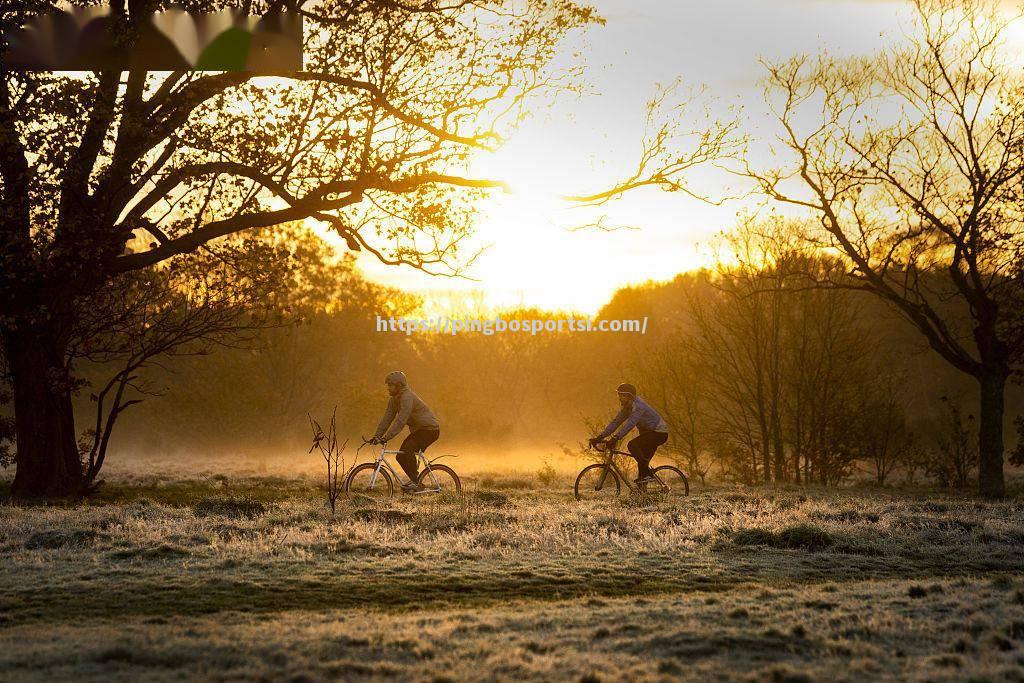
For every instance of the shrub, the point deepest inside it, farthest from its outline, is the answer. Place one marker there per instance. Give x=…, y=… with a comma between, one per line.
x=799, y=537
x=52, y=539
x=753, y=536
x=803, y=537
x=492, y=498
x=547, y=475
x=235, y=508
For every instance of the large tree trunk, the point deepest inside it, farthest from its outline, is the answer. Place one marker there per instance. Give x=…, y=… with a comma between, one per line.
x=47, y=453
x=990, y=433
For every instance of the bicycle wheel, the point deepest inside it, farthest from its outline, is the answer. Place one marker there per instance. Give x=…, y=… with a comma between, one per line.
x=358, y=483
x=597, y=482
x=672, y=481
x=440, y=477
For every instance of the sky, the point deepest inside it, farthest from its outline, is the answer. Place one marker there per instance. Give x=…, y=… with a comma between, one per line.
x=533, y=256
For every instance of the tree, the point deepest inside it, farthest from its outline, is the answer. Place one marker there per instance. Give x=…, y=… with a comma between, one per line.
x=954, y=456
x=7, y=433
x=907, y=165
x=221, y=296
x=911, y=164
x=736, y=340
x=888, y=442
x=677, y=382
x=370, y=140
x=788, y=372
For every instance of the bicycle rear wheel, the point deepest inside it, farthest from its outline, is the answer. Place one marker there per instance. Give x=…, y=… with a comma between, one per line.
x=672, y=481
x=361, y=483
x=597, y=482
x=440, y=479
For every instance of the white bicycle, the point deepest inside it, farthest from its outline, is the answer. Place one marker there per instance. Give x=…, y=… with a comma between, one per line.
x=377, y=479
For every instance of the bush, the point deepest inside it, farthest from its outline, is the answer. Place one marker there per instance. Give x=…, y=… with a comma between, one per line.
x=492, y=498
x=235, y=508
x=53, y=539
x=547, y=475
x=753, y=536
x=803, y=537
x=799, y=537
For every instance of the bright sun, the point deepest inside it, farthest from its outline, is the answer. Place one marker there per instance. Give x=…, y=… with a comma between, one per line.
x=545, y=251
x=537, y=248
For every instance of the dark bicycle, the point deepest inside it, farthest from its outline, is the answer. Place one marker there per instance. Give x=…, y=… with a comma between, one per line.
x=605, y=479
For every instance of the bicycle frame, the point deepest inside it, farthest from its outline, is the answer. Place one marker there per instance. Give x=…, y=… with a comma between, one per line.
x=609, y=464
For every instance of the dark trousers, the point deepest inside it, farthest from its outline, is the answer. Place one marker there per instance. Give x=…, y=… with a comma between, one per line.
x=643, y=447
x=416, y=441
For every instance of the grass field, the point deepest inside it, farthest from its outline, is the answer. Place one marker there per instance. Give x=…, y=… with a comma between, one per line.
x=250, y=577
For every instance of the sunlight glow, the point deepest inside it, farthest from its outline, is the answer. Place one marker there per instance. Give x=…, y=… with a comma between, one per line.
x=535, y=250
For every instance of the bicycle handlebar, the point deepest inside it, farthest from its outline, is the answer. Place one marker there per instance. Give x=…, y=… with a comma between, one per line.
x=366, y=442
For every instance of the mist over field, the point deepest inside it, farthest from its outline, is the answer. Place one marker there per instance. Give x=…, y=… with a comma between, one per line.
x=519, y=401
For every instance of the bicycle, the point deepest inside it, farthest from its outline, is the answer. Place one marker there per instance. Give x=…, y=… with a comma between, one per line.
x=377, y=479
x=593, y=481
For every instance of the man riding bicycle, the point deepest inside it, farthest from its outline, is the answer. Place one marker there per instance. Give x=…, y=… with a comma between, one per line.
x=653, y=431
x=406, y=408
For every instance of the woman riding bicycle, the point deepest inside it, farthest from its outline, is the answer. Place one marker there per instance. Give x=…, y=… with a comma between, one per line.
x=653, y=431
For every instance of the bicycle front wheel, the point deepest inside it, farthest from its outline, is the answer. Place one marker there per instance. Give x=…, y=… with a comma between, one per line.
x=671, y=481
x=440, y=479
x=366, y=483
x=597, y=482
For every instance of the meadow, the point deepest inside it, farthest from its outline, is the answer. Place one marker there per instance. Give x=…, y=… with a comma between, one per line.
x=172, y=574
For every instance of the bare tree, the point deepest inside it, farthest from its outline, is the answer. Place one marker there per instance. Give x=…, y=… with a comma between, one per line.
x=887, y=441
x=911, y=164
x=333, y=454
x=205, y=300
x=788, y=368
x=955, y=456
x=906, y=160
x=730, y=342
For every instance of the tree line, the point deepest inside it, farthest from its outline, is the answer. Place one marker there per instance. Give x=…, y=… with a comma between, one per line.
x=761, y=378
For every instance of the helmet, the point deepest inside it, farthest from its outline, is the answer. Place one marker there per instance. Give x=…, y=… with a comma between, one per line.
x=396, y=377
x=626, y=389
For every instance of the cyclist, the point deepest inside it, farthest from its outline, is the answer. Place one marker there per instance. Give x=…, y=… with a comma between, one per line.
x=406, y=408
x=653, y=431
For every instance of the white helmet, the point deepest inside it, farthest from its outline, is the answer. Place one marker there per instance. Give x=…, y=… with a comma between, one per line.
x=396, y=377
